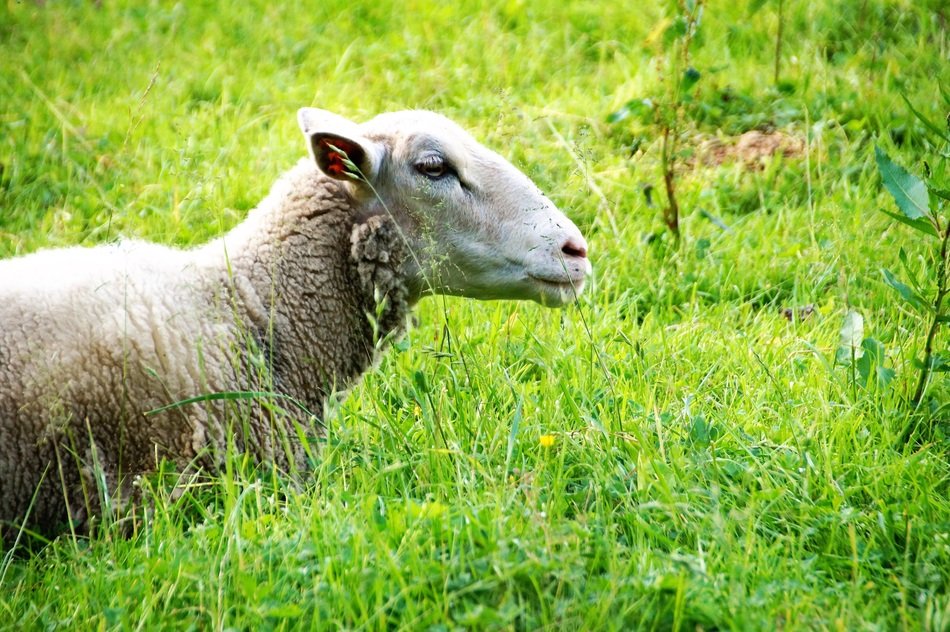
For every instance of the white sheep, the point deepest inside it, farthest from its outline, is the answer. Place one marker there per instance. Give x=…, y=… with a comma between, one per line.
x=294, y=300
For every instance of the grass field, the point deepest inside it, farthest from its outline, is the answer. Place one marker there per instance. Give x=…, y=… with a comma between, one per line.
x=670, y=453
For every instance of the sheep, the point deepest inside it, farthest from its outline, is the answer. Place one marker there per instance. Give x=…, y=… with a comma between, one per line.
x=111, y=357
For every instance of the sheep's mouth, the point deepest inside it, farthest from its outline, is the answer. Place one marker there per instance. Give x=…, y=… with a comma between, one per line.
x=562, y=290
x=565, y=282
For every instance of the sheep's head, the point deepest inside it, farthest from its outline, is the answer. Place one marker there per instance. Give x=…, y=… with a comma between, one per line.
x=476, y=226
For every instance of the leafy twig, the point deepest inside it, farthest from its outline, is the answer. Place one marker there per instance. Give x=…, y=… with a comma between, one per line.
x=913, y=197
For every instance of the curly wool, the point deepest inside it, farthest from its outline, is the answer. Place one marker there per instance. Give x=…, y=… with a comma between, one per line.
x=293, y=300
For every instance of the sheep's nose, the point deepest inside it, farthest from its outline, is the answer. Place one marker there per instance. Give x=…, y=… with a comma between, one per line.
x=575, y=247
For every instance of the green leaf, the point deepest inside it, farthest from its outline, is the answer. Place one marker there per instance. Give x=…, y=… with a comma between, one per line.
x=634, y=107
x=939, y=363
x=941, y=193
x=850, y=337
x=929, y=125
x=618, y=115
x=910, y=274
x=922, y=224
x=755, y=6
x=908, y=190
x=702, y=247
x=674, y=31
x=884, y=375
x=690, y=77
x=870, y=366
x=703, y=432
x=907, y=293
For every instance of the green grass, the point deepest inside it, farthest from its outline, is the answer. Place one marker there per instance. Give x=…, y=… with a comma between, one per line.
x=712, y=468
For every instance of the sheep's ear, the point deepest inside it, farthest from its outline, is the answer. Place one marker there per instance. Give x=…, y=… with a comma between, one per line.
x=340, y=157
x=339, y=149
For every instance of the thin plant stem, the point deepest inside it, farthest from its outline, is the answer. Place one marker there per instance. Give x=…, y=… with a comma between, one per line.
x=671, y=214
x=935, y=324
x=778, y=41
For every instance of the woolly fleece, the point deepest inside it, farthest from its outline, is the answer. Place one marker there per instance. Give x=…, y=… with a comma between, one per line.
x=92, y=339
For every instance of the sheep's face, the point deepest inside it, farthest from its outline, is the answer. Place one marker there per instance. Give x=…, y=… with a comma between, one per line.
x=475, y=224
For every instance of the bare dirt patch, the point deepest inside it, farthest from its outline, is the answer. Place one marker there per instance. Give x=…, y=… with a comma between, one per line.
x=753, y=148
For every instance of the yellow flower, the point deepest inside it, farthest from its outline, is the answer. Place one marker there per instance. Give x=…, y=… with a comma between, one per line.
x=546, y=440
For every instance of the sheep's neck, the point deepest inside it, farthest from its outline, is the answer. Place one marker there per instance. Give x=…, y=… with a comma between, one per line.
x=314, y=305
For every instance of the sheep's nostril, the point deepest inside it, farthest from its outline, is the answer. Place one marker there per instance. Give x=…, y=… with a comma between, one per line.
x=573, y=248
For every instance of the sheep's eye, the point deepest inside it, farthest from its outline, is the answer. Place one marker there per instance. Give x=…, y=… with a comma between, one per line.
x=434, y=167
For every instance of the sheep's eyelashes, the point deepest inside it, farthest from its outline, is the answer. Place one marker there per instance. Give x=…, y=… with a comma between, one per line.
x=433, y=168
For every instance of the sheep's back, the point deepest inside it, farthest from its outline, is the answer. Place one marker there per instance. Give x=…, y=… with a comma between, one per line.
x=90, y=340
